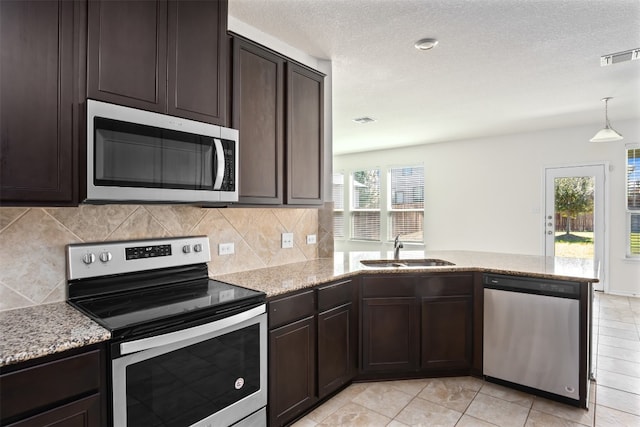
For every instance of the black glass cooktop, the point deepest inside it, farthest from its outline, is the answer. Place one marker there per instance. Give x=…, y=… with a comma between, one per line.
x=169, y=304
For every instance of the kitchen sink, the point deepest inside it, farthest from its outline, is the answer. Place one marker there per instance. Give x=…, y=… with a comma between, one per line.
x=403, y=263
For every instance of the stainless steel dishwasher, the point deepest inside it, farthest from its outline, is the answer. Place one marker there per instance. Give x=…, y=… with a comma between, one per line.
x=531, y=333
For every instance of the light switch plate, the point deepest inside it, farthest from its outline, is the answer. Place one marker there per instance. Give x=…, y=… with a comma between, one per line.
x=287, y=240
x=311, y=239
x=226, y=249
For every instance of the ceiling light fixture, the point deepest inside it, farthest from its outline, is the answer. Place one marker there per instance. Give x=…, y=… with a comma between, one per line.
x=426, y=44
x=364, y=120
x=607, y=133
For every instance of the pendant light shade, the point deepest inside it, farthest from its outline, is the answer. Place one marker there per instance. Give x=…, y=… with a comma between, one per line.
x=607, y=133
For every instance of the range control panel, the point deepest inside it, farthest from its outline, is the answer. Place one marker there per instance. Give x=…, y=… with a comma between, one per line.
x=105, y=258
x=147, y=251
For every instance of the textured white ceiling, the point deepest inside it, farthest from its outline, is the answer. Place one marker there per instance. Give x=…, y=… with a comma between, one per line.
x=502, y=66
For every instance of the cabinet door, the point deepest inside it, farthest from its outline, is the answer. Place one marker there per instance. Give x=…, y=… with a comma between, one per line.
x=80, y=413
x=337, y=348
x=292, y=368
x=390, y=334
x=259, y=116
x=197, y=61
x=305, y=140
x=41, y=69
x=446, y=332
x=127, y=53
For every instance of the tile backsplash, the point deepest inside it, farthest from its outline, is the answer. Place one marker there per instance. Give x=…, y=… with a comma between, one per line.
x=33, y=240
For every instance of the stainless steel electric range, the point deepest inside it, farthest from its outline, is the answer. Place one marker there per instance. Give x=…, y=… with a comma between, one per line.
x=185, y=350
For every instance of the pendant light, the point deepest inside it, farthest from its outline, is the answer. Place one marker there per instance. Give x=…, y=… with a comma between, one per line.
x=607, y=133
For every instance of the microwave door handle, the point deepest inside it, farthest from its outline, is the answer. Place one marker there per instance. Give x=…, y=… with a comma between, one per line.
x=220, y=164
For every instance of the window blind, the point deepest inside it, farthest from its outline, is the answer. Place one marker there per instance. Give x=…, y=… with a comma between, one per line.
x=633, y=200
x=407, y=203
x=365, y=209
x=338, y=204
x=633, y=179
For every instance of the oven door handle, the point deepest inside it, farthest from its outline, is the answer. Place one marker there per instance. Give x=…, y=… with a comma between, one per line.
x=196, y=331
x=219, y=165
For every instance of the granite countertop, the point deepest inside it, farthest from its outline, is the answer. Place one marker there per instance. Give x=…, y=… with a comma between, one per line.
x=32, y=332
x=37, y=331
x=290, y=277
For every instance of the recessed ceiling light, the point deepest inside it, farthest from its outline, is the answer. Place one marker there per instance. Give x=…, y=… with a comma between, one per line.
x=426, y=44
x=364, y=120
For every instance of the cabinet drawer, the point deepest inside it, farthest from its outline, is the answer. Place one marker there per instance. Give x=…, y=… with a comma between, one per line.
x=290, y=308
x=335, y=294
x=42, y=385
x=387, y=286
x=445, y=284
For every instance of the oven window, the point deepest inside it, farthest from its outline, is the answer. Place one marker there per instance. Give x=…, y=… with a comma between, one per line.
x=186, y=385
x=133, y=155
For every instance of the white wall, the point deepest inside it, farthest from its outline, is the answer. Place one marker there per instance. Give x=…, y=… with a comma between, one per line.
x=487, y=194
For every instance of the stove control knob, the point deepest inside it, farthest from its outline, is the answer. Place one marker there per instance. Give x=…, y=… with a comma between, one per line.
x=88, y=258
x=105, y=256
x=186, y=249
x=197, y=247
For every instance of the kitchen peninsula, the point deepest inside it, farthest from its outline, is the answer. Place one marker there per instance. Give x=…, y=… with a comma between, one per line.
x=322, y=316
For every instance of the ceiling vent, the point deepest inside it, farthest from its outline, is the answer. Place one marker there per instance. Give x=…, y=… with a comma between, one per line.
x=364, y=120
x=614, y=58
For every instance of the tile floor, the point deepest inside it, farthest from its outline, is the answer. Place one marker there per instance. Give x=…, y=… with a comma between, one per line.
x=467, y=401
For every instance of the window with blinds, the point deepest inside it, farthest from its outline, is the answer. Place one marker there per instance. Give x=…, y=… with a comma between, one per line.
x=633, y=201
x=365, y=205
x=338, y=204
x=406, y=211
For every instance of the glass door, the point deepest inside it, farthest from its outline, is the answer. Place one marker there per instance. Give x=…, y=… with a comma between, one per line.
x=574, y=215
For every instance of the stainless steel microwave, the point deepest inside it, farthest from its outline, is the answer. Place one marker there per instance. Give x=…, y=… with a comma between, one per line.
x=140, y=156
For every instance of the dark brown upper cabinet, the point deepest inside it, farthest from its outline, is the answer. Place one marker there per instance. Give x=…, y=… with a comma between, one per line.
x=163, y=56
x=305, y=140
x=41, y=83
x=278, y=106
x=258, y=113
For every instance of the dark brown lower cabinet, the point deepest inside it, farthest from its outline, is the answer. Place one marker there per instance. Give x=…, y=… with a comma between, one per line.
x=80, y=413
x=390, y=334
x=446, y=321
x=292, y=369
x=446, y=332
x=337, y=335
x=66, y=390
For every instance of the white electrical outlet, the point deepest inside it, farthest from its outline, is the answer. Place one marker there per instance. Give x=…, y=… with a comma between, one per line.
x=311, y=239
x=287, y=240
x=226, y=249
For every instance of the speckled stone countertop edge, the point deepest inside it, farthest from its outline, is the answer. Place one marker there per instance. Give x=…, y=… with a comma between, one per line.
x=43, y=330
x=279, y=280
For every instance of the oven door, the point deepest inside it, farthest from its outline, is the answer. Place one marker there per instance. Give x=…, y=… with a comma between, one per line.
x=211, y=374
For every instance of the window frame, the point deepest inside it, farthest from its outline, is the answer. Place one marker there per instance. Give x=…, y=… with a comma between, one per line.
x=353, y=210
x=385, y=211
x=628, y=211
x=344, y=203
x=390, y=210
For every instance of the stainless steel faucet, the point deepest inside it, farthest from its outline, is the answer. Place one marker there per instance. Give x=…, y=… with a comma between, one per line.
x=397, y=245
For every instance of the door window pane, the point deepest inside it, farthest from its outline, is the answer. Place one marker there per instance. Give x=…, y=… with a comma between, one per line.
x=574, y=204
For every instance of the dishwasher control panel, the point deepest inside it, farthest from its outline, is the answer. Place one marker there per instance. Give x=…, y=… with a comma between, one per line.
x=557, y=288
